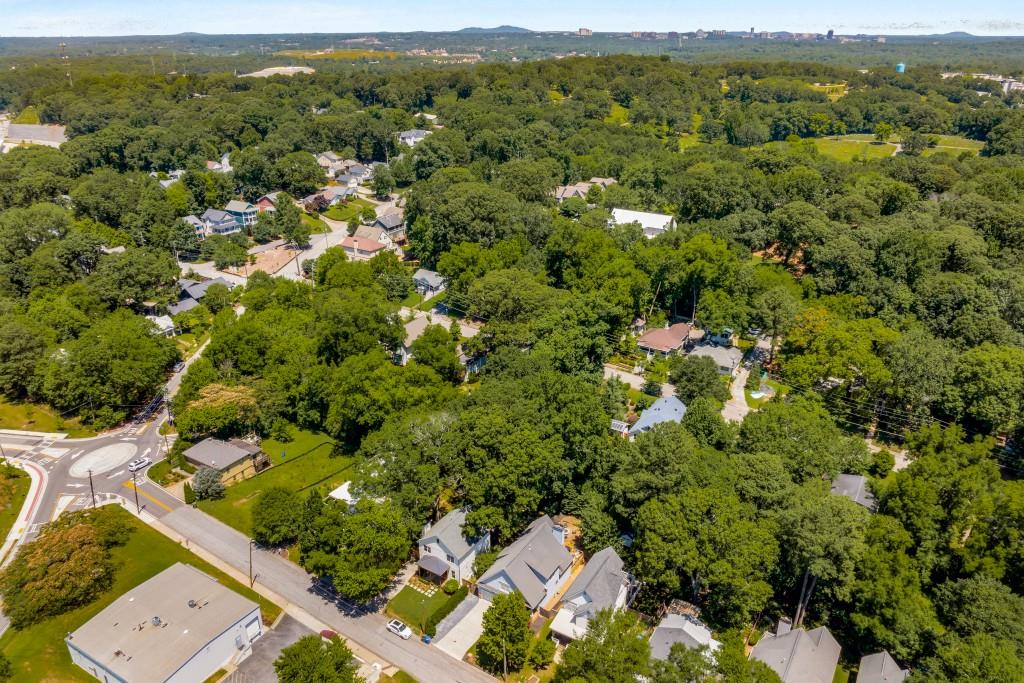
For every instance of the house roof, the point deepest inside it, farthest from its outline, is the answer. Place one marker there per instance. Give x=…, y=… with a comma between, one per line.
x=433, y=564
x=220, y=455
x=217, y=216
x=677, y=628
x=330, y=156
x=723, y=357
x=182, y=306
x=854, y=487
x=664, y=339
x=270, y=197
x=576, y=190
x=599, y=583
x=880, y=668
x=603, y=182
x=371, y=232
x=197, y=290
x=535, y=554
x=148, y=633
x=414, y=133
x=193, y=221
x=428, y=277
x=162, y=322
x=415, y=328
x=448, y=531
x=237, y=206
x=364, y=245
x=390, y=220
x=665, y=409
x=800, y=656
x=647, y=220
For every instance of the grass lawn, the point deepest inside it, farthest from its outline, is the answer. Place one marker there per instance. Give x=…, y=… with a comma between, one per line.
x=27, y=115
x=413, y=300
x=38, y=653
x=315, y=224
x=954, y=144
x=618, y=114
x=399, y=677
x=305, y=461
x=850, y=147
x=347, y=212
x=13, y=488
x=841, y=675
x=414, y=608
x=780, y=390
x=35, y=417
x=433, y=301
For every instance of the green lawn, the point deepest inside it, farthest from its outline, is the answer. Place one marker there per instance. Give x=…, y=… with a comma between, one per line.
x=780, y=390
x=954, y=144
x=305, y=461
x=38, y=653
x=414, y=608
x=315, y=224
x=433, y=301
x=27, y=115
x=13, y=488
x=850, y=147
x=841, y=675
x=347, y=212
x=413, y=300
x=399, y=677
x=39, y=418
x=618, y=114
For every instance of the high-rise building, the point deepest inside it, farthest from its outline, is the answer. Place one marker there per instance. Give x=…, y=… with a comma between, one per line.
x=585, y=32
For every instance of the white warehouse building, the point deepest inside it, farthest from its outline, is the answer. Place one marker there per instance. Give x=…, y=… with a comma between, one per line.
x=180, y=626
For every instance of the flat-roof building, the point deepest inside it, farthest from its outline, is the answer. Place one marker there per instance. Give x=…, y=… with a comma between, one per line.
x=180, y=626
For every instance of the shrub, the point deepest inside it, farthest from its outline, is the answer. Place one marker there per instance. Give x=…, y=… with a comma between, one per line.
x=484, y=561
x=207, y=484
x=190, y=495
x=542, y=654
x=754, y=378
x=449, y=605
x=450, y=586
x=276, y=516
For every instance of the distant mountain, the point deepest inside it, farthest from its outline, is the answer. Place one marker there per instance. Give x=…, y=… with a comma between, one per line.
x=496, y=29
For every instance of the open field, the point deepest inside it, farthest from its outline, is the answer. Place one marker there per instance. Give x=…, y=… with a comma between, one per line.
x=34, y=417
x=850, y=147
x=343, y=54
x=955, y=145
x=269, y=261
x=833, y=91
x=38, y=653
x=27, y=115
x=414, y=608
x=298, y=464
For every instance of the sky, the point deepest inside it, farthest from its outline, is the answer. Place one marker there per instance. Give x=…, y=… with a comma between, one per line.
x=130, y=17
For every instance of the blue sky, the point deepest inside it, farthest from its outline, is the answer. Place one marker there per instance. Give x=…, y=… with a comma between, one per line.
x=121, y=17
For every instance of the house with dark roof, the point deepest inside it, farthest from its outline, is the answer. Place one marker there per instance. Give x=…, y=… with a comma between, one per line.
x=393, y=221
x=191, y=292
x=665, y=409
x=664, y=341
x=799, y=656
x=537, y=564
x=854, y=487
x=604, y=583
x=197, y=225
x=444, y=550
x=217, y=222
x=234, y=459
x=880, y=668
x=684, y=629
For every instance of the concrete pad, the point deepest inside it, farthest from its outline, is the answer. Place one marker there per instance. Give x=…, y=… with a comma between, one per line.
x=103, y=459
x=460, y=638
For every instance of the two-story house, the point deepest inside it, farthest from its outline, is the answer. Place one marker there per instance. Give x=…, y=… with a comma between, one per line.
x=217, y=222
x=537, y=564
x=603, y=584
x=444, y=550
x=244, y=212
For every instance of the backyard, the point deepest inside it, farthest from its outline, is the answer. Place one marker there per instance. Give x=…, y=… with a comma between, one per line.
x=38, y=653
x=35, y=417
x=298, y=464
x=349, y=211
x=414, y=606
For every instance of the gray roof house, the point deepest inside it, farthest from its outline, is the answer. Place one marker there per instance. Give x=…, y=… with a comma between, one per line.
x=684, y=629
x=726, y=359
x=179, y=626
x=537, y=564
x=191, y=292
x=799, y=656
x=427, y=282
x=444, y=550
x=391, y=221
x=219, y=222
x=224, y=456
x=665, y=409
x=244, y=212
x=604, y=583
x=412, y=137
x=880, y=668
x=854, y=487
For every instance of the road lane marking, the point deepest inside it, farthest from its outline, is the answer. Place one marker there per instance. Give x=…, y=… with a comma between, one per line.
x=116, y=474
x=130, y=485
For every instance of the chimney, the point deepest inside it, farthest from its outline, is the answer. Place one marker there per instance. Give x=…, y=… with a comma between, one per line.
x=784, y=627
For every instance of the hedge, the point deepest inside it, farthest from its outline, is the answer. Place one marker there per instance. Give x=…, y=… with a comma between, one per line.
x=449, y=605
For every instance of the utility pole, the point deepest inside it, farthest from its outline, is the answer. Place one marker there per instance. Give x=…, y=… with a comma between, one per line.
x=135, y=487
x=252, y=579
x=92, y=490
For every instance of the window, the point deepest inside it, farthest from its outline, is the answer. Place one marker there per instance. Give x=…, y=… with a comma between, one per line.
x=450, y=558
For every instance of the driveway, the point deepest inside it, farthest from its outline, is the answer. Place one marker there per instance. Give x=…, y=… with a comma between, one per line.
x=457, y=641
x=259, y=666
x=736, y=408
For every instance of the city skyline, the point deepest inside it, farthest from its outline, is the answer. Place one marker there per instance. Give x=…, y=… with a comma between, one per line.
x=129, y=17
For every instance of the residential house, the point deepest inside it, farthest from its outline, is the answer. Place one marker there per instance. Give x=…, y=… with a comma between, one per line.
x=363, y=173
x=444, y=550
x=348, y=180
x=344, y=494
x=222, y=166
x=268, y=202
x=197, y=225
x=685, y=629
x=579, y=190
x=172, y=177
x=854, y=487
x=664, y=341
x=727, y=360
x=243, y=212
x=163, y=323
x=331, y=163
x=361, y=249
x=427, y=282
x=653, y=224
x=335, y=194
x=411, y=138
x=472, y=362
x=723, y=337
x=217, y=222
x=414, y=329
x=537, y=564
x=604, y=583
x=665, y=409
x=799, y=656
x=880, y=668
x=392, y=220
x=373, y=233
x=620, y=427
x=191, y=292
x=179, y=626
x=234, y=459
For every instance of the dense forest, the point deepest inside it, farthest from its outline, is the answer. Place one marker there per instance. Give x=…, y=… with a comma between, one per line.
x=892, y=290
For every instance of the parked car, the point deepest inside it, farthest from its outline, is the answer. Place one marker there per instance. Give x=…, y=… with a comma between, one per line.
x=328, y=635
x=400, y=629
x=136, y=465
x=179, y=366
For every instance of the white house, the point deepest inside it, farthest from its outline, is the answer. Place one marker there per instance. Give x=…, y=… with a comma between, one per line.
x=537, y=564
x=330, y=162
x=361, y=249
x=444, y=550
x=411, y=138
x=727, y=360
x=799, y=656
x=603, y=584
x=375, y=234
x=653, y=223
x=180, y=626
x=681, y=628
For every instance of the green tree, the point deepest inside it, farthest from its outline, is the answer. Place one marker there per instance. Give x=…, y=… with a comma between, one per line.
x=383, y=182
x=436, y=349
x=276, y=515
x=299, y=174
x=613, y=650
x=883, y=131
x=697, y=377
x=506, y=636
x=207, y=484
x=978, y=658
x=312, y=660
x=217, y=298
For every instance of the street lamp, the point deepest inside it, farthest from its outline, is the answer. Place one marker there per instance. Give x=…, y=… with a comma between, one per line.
x=92, y=490
x=252, y=578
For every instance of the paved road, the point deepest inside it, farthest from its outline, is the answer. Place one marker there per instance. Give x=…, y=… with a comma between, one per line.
x=293, y=584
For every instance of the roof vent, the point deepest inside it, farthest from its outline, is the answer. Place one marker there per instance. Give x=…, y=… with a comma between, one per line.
x=156, y=621
x=192, y=604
